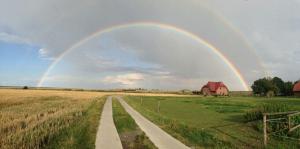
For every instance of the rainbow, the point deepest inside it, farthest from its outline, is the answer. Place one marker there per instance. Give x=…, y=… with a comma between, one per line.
x=196, y=38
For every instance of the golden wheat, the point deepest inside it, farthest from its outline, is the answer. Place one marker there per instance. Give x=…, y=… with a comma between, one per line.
x=31, y=118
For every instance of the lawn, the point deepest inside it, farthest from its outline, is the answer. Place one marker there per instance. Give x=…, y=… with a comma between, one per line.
x=210, y=122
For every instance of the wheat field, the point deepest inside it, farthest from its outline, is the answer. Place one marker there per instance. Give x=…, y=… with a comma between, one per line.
x=31, y=118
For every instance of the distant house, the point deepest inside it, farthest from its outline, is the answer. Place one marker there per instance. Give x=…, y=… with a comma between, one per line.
x=215, y=88
x=296, y=89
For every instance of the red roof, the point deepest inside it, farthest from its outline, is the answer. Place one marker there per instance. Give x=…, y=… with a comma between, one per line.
x=213, y=86
x=297, y=87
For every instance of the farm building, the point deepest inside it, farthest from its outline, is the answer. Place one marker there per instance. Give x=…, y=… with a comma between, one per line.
x=215, y=88
x=296, y=89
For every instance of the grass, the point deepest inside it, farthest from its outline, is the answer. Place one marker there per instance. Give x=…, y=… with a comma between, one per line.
x=211, y=122
x=130, y=134
x=53, y=119
x=81, y=134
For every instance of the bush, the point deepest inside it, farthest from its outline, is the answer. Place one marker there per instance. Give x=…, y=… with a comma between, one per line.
x=25, y=87
x=257, y=113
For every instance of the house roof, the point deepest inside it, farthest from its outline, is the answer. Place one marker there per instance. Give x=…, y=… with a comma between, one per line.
x=297, y=87
x=213, y=86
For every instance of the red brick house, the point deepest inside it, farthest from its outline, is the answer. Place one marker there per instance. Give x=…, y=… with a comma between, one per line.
x=296, y=89
x=215, y=88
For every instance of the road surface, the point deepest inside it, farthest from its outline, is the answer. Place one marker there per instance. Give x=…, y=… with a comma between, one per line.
x=160, y=138
x=107, y=135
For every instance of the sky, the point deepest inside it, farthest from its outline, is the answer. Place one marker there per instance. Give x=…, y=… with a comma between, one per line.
x=153, y=44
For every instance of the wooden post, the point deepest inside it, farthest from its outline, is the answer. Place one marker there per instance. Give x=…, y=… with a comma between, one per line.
x=265, y=130
x=158, y=106
x=289, y=117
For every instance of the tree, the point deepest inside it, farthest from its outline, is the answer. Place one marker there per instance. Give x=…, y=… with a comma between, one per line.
x=264, y=85
x=279, y=83
x=275, y=85
x=288, y=89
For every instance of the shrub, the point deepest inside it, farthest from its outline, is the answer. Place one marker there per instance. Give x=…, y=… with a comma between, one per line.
x=257, y=113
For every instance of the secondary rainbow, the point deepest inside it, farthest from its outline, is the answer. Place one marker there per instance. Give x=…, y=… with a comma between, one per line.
x=147, y=24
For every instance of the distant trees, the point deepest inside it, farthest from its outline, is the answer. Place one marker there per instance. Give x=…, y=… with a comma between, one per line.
x=272, y=86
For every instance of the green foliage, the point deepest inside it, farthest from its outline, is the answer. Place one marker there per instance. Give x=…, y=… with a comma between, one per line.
x=288, y=89
x=262, y=86
x=279, y=83
x=276, y=85
x=257, y=113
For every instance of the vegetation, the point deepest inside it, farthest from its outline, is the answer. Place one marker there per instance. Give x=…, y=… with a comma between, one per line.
x=81, y=134
x=270, y=86
x=130, y=134
x=213, y=122
x=52, y=119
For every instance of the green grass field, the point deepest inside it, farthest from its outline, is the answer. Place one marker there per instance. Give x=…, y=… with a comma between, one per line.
x=211, y=122
x=132, y=137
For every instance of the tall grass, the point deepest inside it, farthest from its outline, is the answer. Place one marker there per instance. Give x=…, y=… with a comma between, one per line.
x=257, y=113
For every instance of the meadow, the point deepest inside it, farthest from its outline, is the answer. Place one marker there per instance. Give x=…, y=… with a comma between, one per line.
x=49, y=119
x=212, y=122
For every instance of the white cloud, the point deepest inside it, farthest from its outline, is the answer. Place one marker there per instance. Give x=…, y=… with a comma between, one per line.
x=11, y=38
x=124, y=79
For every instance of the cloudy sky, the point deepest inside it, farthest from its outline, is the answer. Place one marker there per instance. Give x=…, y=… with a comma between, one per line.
x=161, y=44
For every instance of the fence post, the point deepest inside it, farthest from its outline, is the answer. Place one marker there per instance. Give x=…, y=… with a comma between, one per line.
x=265, y=130
x=289, y=122
x=158, y=106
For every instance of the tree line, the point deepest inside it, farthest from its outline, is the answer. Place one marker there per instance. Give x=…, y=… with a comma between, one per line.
x=269, y=86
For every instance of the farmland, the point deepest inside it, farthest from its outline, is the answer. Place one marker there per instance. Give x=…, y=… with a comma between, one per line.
x=69, y=119
x=56, y=119
x=211, y=122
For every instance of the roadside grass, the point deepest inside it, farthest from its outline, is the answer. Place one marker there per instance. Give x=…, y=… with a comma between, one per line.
x=210, y=122
x=81, y=134
x=132, y=137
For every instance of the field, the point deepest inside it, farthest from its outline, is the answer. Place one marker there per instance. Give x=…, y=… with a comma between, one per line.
x=69, y=119
x=52, y=119
x=211, y=122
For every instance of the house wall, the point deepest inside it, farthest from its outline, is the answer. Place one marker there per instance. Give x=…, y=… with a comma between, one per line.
x=222, y=91
x=297, y=94
x=205, y=91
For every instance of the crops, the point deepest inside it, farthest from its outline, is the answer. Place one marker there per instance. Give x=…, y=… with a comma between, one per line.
x=33, y=118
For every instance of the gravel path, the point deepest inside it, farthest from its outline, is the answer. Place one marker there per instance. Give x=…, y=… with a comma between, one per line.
x=160, y=138
x=107, y=135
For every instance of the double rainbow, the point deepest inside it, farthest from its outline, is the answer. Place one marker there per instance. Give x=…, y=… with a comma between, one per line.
x=196, y=38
